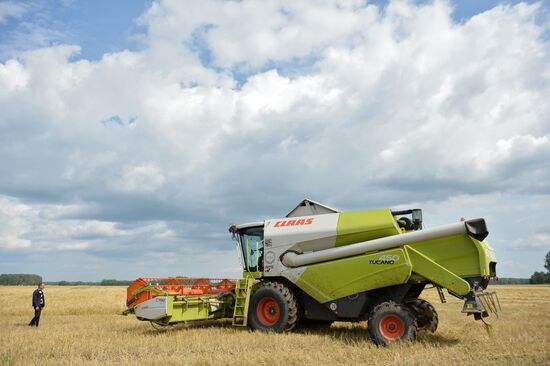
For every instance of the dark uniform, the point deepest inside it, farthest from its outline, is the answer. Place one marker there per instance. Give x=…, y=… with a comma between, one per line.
x=38, y=304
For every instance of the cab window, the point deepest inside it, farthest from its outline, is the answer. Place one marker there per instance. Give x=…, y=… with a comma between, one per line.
x=252, y=244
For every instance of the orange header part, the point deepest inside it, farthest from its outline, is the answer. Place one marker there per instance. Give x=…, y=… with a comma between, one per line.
x=177, y=286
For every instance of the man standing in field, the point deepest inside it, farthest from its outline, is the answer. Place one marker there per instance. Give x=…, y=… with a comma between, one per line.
x=38, y=303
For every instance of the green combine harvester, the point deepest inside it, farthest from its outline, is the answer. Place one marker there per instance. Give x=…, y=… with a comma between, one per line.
x=318, y=265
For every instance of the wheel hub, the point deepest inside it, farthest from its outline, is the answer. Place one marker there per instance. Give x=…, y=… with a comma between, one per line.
x=392, y=327
x=268, y=311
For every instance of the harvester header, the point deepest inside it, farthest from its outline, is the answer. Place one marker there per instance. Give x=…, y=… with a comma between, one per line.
x=318, y=265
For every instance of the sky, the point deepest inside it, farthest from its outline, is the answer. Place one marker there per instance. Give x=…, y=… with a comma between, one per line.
x=133, y=132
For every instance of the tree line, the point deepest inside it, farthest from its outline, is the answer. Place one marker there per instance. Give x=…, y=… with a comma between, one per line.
x=542, y=277
x=18, y=279
x=109, y=282
x=510, y=281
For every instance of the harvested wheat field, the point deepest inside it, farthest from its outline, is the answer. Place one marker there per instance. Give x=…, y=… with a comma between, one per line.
x=81, y=325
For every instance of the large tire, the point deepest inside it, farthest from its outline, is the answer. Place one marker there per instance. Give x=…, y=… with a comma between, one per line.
x=426, y=316
x=391, y=323
x=273, y=308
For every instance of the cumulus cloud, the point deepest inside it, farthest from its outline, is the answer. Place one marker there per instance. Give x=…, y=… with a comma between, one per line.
x=12, y=76
x=234, y=111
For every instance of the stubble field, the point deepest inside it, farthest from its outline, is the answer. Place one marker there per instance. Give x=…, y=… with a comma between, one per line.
x=81, y=326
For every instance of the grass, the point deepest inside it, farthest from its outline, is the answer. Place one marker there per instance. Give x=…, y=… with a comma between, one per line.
x=81, y=326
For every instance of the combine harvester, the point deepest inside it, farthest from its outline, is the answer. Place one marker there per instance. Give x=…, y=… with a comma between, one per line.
x=318, y=265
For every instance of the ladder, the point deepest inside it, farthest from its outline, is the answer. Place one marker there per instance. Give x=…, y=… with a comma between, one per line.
x=242, y=297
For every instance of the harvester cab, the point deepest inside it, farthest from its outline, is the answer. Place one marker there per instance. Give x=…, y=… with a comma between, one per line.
x=249, y=239
x=318, y=265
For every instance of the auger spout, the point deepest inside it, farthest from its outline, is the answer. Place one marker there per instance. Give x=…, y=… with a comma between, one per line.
x=475, y=228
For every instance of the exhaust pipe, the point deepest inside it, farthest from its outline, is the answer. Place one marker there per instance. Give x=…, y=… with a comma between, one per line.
x=475, y=228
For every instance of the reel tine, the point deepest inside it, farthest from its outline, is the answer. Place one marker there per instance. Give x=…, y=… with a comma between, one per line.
x=491, y=304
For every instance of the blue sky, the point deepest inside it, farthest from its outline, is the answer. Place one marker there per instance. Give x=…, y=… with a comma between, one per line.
x=105, y=26
x=99, y=27
x=133, y=132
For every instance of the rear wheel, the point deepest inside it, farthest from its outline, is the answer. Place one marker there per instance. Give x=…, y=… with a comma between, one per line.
x=426, y=316
x=391, y=323
x=273, y=308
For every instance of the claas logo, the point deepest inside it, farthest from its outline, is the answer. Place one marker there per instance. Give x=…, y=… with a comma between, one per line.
x=297, y=222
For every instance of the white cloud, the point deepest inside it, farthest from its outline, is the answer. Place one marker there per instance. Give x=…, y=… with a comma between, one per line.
x=352, y=105
x=74, y=246
x=11, y=9
x=13, y=216
x=42, y=226
x=12, y=77
x=534, y=241
x=142, y=178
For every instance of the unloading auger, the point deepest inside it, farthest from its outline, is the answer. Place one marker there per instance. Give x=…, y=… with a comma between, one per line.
x=318, y=265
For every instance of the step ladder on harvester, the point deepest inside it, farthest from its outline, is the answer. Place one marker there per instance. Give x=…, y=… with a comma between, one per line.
x=242, y=299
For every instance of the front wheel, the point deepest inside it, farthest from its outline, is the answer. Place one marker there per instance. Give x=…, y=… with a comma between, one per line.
x=273, y=308
x=391, y=323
